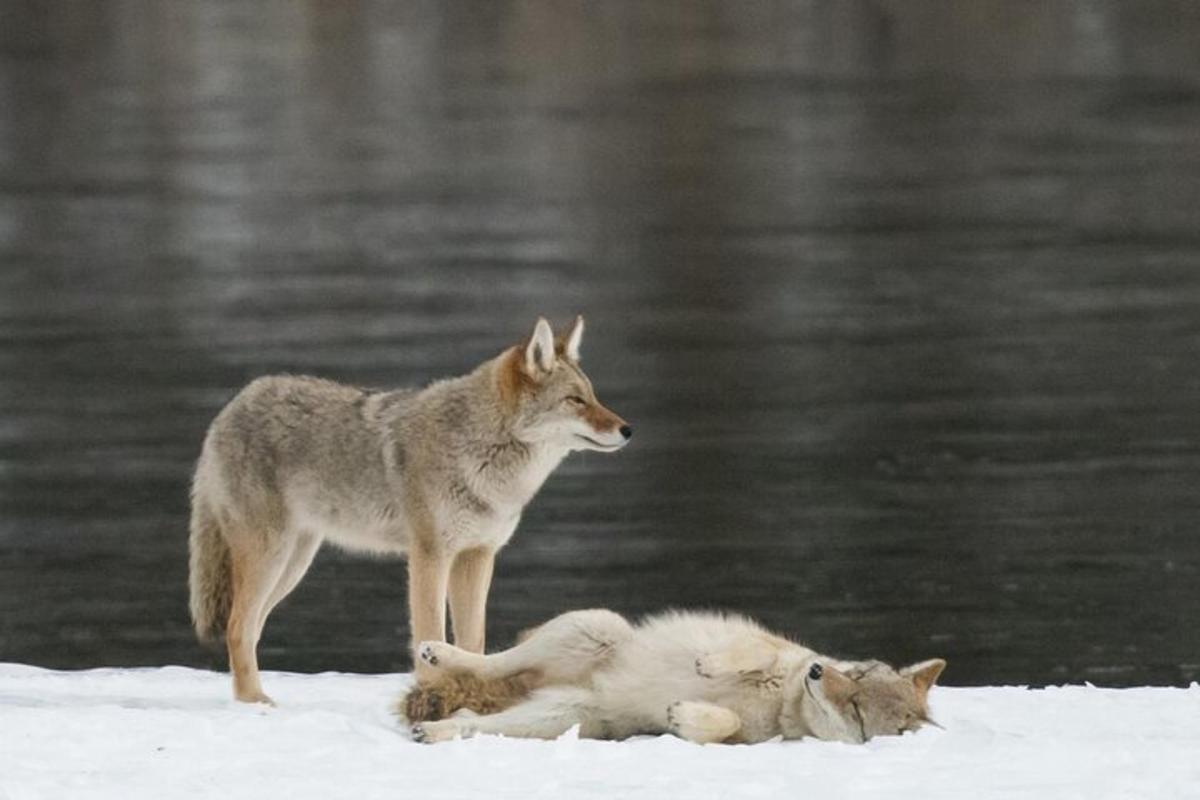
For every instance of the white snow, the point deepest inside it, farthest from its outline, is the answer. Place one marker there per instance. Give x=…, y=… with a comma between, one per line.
x=174, y=732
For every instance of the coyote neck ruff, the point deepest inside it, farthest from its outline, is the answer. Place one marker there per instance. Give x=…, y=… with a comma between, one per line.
x=491, y=468
x=440, y=475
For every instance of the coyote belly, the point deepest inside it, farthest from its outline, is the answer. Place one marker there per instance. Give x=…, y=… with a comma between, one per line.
x=439, y=475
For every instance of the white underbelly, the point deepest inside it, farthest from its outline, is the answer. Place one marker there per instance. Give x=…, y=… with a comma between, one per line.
x=373, y=533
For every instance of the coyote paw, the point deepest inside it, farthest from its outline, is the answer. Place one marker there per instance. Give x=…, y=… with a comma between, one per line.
x=433, y=732
x=254, y=697
x=672, y=722
x=434, y=654
x=714, y=665
x=701, y=722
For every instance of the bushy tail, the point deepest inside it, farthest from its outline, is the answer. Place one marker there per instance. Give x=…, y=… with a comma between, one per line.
x=446, y=694
x=208, y=575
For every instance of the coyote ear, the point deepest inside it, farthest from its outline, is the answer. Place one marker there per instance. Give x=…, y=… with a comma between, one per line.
x=837, y=686
x=571, y=347
x=539, y=353
x=924, y=674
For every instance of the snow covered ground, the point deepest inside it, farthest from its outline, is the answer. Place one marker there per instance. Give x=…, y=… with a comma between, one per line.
x=173, y=732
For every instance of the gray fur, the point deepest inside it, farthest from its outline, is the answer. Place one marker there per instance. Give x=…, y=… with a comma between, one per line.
x=439, y=475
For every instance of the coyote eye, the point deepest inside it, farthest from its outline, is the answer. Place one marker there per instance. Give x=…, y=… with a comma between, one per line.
x=576, y=400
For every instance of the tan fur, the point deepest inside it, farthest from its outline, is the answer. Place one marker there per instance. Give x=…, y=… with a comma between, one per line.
x=703, y=677
x=442, y=695
x=439, y=475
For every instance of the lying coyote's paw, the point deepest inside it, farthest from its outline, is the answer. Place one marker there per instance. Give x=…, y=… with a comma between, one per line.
x=433, y=732
x=434, y=654
x=709, y=665
x=757, y=668
x=701, y=722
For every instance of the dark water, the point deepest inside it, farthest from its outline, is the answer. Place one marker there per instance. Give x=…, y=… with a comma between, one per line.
x=902, y=298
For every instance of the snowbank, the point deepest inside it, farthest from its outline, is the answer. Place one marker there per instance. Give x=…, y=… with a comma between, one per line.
x=173, y=732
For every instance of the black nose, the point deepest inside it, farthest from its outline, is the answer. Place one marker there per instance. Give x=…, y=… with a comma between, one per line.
x=626, y=431
x=815, y=672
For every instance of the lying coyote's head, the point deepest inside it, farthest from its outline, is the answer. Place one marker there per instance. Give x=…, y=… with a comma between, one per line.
x=552, y=400
x=856, y=701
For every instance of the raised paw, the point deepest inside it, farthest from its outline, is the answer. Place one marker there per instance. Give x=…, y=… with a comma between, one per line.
x=703, y=669
x=435, y=654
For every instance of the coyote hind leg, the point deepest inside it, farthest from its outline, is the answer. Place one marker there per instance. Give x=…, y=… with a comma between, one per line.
x=300, y=557
x=547, y=714
x=563, y=650
x=256, y=573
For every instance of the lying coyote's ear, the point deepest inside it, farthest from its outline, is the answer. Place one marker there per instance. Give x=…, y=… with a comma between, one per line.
x=571, y=343
x=539, y=353
x=924, y=674
x=837, y=686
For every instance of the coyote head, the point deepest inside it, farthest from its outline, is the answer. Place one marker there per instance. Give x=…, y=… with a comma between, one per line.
x=856, y=701
x=551, y=400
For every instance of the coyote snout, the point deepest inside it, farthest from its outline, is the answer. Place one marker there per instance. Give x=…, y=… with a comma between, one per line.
x=557, y=403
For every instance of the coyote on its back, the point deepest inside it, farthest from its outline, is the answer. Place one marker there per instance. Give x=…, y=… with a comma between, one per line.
x=440, y=475
x=701, y=676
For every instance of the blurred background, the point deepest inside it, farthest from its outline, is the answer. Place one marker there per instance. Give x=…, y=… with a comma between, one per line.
x=902, y=297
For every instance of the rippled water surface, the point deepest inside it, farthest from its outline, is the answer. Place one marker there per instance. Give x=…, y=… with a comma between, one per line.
x=904, y=305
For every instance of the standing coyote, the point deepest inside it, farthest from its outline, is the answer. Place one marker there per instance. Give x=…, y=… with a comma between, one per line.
x=702, y=677
x=441, y=474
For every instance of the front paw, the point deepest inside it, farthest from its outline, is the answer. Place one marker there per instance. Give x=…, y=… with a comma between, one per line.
x=702, y=723
x=673, y=717
x=707, y=665
x=434, y=732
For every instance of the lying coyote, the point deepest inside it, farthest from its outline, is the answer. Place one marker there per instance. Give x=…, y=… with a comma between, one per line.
x=702, y=677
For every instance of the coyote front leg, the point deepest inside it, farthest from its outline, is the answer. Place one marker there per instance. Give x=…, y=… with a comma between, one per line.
x=751, y=658
x=470, y=578
x=428, y=576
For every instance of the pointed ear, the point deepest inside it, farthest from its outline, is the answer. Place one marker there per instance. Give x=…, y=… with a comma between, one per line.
x=836, y=685
x=924, y=674
x=571, y=344
x=539, y=353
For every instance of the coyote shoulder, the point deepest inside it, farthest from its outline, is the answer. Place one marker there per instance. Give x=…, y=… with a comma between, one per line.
x=702, y=677
x=440, y=475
